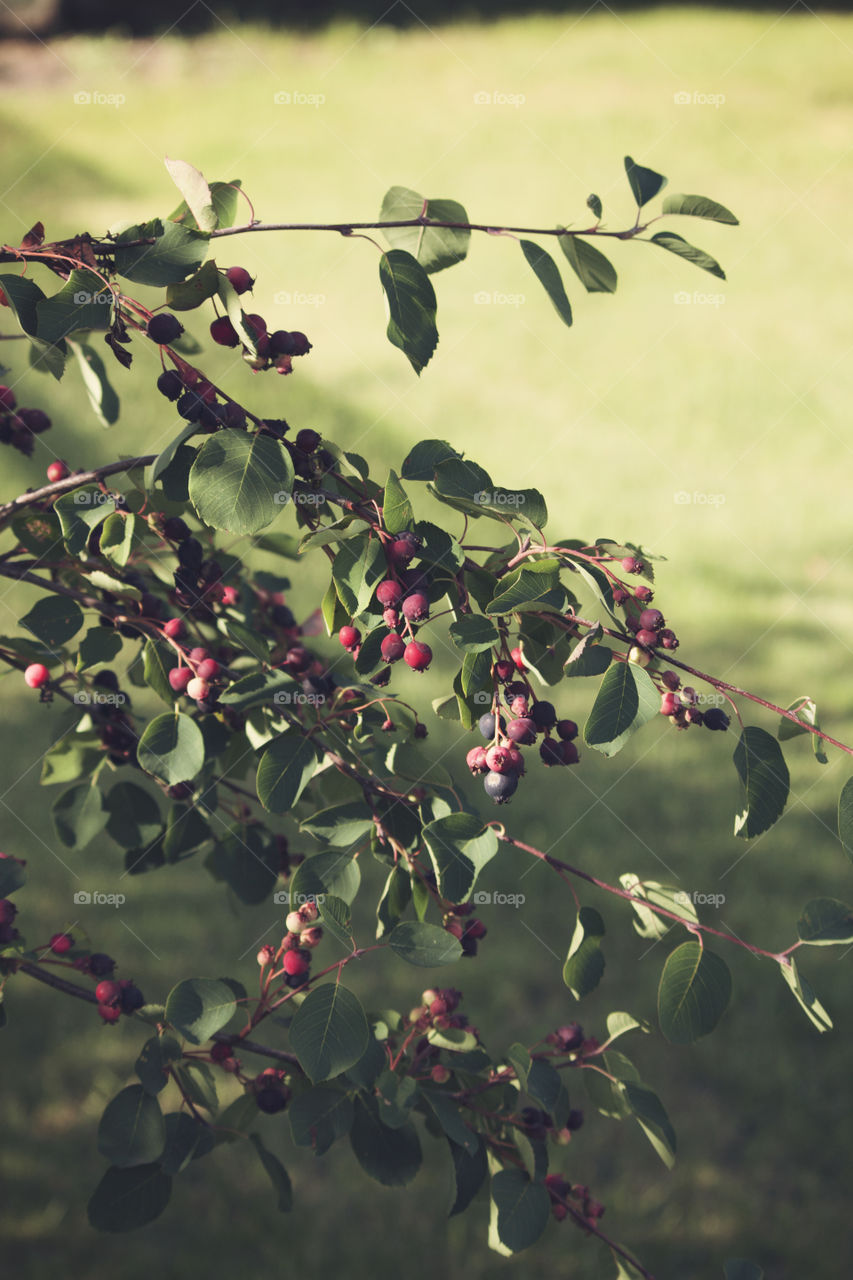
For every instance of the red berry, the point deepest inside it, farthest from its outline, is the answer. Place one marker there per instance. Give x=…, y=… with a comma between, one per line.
x=498, y=759
x=220, y=1051
x=647, y=638
x=109, y=1012
x=294, y=962
x=418, y=656
x=107, y=992
x=174, y=628
x=504, y=670
x=644, y=593
x=257, y=324
x=476, y=760
x=439, y=1074
x=208, y=669
x=60, y=943
x=223, y=332
x=518, y=659
x=179, y=678
x=571, y=755
x=632, y=565
x=198, y=654
x=57, y=471
x=389, y=593
x=198, y=689
x=240, y=279
x=7, y=398
x=652, y=619
x=403, y=549
x=390, y=617
x=393, y=647
x=36, y=675
x=619, y=596
x=515, y=760
x=230, y=595
x=668, y=638
x=519, y=705
x=551, y=751
x=416, y=607
x=671, y=680
x=349, y=637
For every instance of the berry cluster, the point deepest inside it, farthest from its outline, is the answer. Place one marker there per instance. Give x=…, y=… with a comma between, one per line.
x=501, y=764
x=468, y=931
x=560, y=1190
x=404, y=600
x=19, y=426
x=294, y=953
x=8, y=932
x=201, y=679
x=681, y=706
x=438, y=1009
x=115, y=998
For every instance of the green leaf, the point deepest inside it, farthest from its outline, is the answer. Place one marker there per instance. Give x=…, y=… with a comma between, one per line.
x=319, y=1116
x=341, y=825
x=73, y=756
x=588, y=660
x=276, y=1173
x=523, y=1209
x=593, y=202
x=173, y=252
x=469, y=1174
x=805, y=996
x=157, y=661
x=118, y=536
x=459, y=845
x=742, y=1269
x=425, y=945
x=171, y=748
x=199, y=1007
x=584, y=965
x=825, y=922
x=390, y=1156
x=79, y=512
x=397, y=511
x=595, y=272
x=434, y=247
x=648, y=1110
x=845, y=818
x=101, y=393
x=40, y=532
x=84, y=302
x=285, y=769
x=183, y=1136
x=764, y=774
x=239, y=481
x=23, y=296
x=618, y=1023
x=165, y=459
x=358, y=569
x=426, y=457
x=449, y=1116
x=224, y=197
x=644, y=183
x=153, y=1062
x=472, y=633
x=79, y=815
x=805, y=709
x=125, y=1199
x=670, y=897
x=53, y=620
x=699, y=207
x=186, y=295
x=326, y=873
x=546, y=271
x=626, y=700
x=329, y=1032
x=525, y=588
x=694, y=991
x=679, y=246
x=411, y=307
x=131, y=1131
x=248, y=861
x=134, y=818
x=186, y=831
x=195, y=191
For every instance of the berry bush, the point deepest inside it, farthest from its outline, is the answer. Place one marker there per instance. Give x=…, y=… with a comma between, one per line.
x=287, y=755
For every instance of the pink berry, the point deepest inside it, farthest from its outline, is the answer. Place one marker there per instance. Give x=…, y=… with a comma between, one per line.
x=179, y=678
x=309, y=911
x=416, y=607
x=439, y=1074
x=230, y=595
x=393, y=647
x=652, y=619
x=519, y=706
x=389, y=593
x=223, y=332
x=668, y=704
x=632, y=565
x=504, y=670
x=198, y=655
x=174, y=628
x=311, y=937
x=647, y=638
x=266, y=955
x=295, y=963
x=36, y=675
x=390, y=617
x=403, y=549
x=107, y=992
x=349, y=637
x=644, y=593
x=57, y=471
x=239, y=279
x=198, y=689
x=60, y=943
x=7, y=398
x=418, y=656
x=518, y=659
x=109, y=1012
x=521, y=730
x=207, y=669
x=476, y=760
x=498, y=760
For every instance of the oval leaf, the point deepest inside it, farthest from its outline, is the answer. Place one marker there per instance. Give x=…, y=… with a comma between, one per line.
x=694, y=991
x=825, y=922
x=239, y=481
x=626, y=700
x=284, y=772
x=679, y=246
x=549, y=277
x=411, y=307
x=845, y=817
x=199, y=1007
x=329, y=1032
x=759, y=761
x=584, y=965
x=391, y=1156
x=132, y=1130
x=523, y=1209
x=595, y=272
x=125, y=1199
x=699, y=207
x=644, y=183
x=171, y=748
x=425, y=945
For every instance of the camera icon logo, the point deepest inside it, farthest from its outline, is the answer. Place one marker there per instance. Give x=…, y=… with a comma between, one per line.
x=482, y=699
x=82, y=99
x=82, y=898
x=481, y=898
x=281, y=898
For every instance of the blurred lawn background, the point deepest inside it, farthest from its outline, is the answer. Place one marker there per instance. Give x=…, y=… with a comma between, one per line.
x=741, y=394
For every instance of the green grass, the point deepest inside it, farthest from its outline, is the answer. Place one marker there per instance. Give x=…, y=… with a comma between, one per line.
x=644, y=398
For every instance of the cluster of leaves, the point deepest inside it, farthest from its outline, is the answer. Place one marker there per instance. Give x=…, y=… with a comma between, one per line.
x=284, y=745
